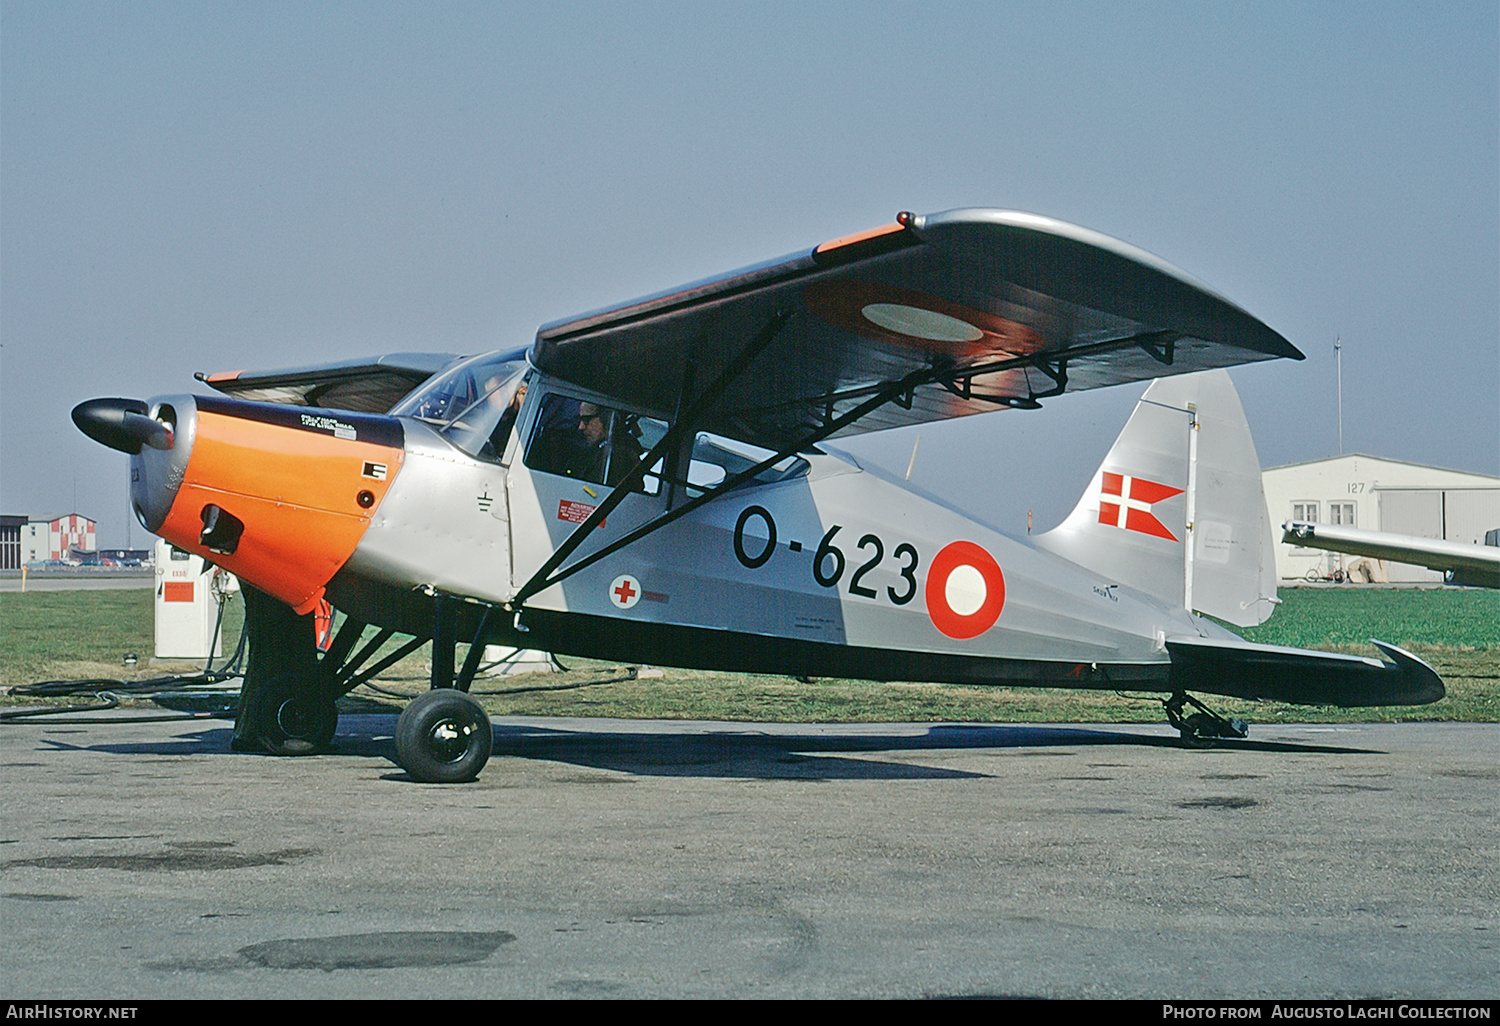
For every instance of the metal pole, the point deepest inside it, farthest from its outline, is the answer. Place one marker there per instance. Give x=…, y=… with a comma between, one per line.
x=1338, y=356
x=1192, y=507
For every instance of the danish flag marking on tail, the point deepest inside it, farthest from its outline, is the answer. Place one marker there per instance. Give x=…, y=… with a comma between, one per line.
x=1126, y=501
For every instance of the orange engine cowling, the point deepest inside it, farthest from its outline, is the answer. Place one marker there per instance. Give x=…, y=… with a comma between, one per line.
x=279, y=495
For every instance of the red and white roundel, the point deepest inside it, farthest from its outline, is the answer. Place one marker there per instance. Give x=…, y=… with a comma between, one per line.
x=889, y=314
x=624, y=591
x=965, y=590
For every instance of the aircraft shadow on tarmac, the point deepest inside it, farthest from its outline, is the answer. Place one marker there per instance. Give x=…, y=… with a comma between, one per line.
x=811, y=755
x=787, y=754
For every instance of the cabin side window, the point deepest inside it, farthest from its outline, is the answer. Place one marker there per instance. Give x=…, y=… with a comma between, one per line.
x=716, y=459
x=592, y=442
x=574, y=437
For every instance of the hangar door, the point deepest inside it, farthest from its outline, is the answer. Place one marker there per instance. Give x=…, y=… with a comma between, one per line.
x=1453, y=514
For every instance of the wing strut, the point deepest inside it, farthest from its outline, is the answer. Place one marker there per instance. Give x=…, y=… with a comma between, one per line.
x=668, y=444
x=1053, y=364
x=890, y=392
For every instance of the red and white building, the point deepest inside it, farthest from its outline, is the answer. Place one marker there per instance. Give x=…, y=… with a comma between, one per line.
x=58, y=538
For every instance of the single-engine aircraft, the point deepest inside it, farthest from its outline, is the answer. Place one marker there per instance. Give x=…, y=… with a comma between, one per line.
x=653, y=482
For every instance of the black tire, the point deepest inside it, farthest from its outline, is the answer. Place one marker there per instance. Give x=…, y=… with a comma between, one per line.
x=292, y=718
x=443, y=737
x=1197, y=731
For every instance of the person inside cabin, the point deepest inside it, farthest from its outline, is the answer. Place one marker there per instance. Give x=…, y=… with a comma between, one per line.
x=507, y=423
x=598, y=444
x=592, y=459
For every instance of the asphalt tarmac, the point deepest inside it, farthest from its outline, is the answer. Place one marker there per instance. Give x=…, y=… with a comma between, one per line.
x=625, y=859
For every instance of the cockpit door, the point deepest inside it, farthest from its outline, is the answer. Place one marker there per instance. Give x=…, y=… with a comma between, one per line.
x=571, y=450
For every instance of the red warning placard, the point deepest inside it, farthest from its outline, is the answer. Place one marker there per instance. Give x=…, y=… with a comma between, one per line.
x=575, y=512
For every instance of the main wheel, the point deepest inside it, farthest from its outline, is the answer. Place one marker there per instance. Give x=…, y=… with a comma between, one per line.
x=292, y=718
x=443, y=737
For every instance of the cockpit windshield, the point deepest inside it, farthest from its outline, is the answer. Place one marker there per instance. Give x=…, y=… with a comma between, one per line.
x=475, y=404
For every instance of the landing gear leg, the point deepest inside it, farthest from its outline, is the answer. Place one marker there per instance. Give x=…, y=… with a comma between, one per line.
x=443, y=736
x=1200, y=729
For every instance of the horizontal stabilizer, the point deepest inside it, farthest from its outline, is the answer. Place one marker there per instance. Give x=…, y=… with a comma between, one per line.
x=1244, y=670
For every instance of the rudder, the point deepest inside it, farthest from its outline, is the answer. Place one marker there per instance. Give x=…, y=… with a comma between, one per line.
x=1183, y=469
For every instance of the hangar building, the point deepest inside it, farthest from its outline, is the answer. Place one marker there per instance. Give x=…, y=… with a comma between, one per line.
x=10, y=542
x=1377, y=495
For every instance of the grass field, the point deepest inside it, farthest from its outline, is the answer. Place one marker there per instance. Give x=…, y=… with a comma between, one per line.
x=85, y=634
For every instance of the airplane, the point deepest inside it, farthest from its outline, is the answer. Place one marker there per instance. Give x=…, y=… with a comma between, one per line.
x=1477, y=566
x=654, y=483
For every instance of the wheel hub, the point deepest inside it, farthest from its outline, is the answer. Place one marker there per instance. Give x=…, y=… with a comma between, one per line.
x=295, y=720
x=449, y=740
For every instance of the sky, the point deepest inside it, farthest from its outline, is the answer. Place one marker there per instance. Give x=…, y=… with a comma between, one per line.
x=213, y=186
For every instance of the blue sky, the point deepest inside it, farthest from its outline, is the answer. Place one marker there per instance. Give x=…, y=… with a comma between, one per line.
x=206, y=186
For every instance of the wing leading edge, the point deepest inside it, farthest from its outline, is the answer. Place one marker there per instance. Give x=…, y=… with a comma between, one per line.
x=970, y=309
x=1473, y=565
x=371, y=385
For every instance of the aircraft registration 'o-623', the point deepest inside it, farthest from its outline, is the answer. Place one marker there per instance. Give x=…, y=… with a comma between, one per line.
x=654, y=482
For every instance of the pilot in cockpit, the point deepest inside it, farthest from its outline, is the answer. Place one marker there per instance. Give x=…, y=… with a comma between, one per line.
x=592, y=459
x=507, y=422
x=594, y=443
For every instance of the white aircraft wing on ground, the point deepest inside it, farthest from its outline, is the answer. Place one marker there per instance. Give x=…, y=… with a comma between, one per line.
x=1473, y=565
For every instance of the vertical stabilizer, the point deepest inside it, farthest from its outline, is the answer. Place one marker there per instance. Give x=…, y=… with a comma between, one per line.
x=1182, y=480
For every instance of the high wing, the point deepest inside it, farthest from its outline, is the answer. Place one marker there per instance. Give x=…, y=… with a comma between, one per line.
x=952, y=314
x=1474, y=565
x=370, y=385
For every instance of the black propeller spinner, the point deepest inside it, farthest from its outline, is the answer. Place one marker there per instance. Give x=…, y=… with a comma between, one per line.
x=121, y=424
